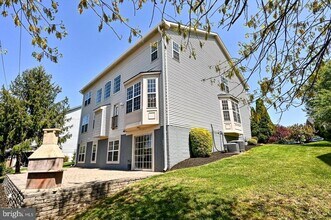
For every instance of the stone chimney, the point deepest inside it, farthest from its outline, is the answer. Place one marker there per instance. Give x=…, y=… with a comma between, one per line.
x=45, y=164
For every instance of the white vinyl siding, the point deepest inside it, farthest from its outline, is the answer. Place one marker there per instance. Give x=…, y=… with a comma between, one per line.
x=135, y=62
x=117, y=84
x=107, y=89
x=113, y=152
x=193, y=101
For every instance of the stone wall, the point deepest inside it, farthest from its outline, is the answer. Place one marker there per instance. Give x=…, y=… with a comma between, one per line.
x=63, y=203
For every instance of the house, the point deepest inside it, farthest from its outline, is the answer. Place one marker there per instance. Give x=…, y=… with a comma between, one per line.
x=69, y=147
x=137, y=113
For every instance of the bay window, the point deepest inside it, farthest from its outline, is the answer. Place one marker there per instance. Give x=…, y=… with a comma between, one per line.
x=133, y=96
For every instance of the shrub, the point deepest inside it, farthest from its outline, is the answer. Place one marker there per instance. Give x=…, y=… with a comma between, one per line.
x=2, y=167
x=200, y=142
x=301, y=133
x=280, y=135
x=65, y=159
x=255, y=138
x=5, y=170
x=73, y=159
x=252, y=141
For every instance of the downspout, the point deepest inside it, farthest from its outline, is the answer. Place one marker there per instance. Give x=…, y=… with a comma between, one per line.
x=165, y=99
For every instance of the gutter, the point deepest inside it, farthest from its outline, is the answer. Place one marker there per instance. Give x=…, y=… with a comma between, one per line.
x=165, y=99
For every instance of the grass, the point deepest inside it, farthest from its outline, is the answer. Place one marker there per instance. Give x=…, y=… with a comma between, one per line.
x=267, y=182
x=68, y=164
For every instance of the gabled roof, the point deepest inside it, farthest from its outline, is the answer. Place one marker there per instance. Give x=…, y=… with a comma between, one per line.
x=167, y=25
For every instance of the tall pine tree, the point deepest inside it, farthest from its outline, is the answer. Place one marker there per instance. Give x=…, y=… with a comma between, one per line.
x=38, y=94
x=261, y=124
x=27, y=108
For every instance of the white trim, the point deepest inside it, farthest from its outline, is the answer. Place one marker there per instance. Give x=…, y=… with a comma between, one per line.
x=79, y=153
x=155, y=92
x=119, y=151
x=134, y=146
x=96, y=152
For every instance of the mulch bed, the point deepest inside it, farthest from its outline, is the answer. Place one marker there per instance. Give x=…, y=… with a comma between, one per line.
x=3, y=198
x=193, y=162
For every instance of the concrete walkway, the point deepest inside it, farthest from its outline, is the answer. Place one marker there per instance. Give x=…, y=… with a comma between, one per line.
x=78, y=176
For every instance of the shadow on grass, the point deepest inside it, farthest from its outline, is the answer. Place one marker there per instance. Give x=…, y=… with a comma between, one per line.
x=319, y=144
x=326, y=158
x=155, y=202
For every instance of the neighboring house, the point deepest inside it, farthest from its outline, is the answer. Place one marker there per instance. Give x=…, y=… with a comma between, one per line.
x=138, y=112
x=69, y=147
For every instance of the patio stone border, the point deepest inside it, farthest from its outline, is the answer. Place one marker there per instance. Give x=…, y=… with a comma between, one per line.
x=63, y=203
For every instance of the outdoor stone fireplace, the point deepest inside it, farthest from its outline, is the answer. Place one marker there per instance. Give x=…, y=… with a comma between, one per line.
x=45, y=164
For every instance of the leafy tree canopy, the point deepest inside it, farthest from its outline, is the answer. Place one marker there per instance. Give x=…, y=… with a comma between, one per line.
x=288, y=39
x=28, y=107
x=318, y=104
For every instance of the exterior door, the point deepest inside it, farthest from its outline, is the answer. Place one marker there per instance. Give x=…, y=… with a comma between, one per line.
x=143, y=155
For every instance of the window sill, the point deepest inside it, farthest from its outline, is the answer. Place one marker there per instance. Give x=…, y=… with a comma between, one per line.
x=113, y=162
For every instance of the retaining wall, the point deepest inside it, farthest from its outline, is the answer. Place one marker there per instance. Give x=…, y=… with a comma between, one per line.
x=63, y=203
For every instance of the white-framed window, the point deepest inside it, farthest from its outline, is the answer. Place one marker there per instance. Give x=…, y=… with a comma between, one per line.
x=235, y=110
x=133, y=94
x=151, y=93
x=117, y=84
x=175, y=50
x=87, y=98
x=107, y=89
x=81, y=154
x=94, y=151
x=143, y=155
x=154, y=47
x=113, y=152
x=226, y=112
x=98, y=96
x=85, y=122
x=224, y=84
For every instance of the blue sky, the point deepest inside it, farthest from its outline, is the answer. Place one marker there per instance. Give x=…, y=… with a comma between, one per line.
x=86, y=52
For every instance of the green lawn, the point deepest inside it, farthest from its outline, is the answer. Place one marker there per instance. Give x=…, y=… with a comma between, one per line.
x=267, y=182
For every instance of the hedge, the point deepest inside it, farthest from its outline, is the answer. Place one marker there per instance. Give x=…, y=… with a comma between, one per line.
x=201, y=142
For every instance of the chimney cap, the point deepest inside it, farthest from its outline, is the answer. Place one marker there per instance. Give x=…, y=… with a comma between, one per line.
x=51, y=129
